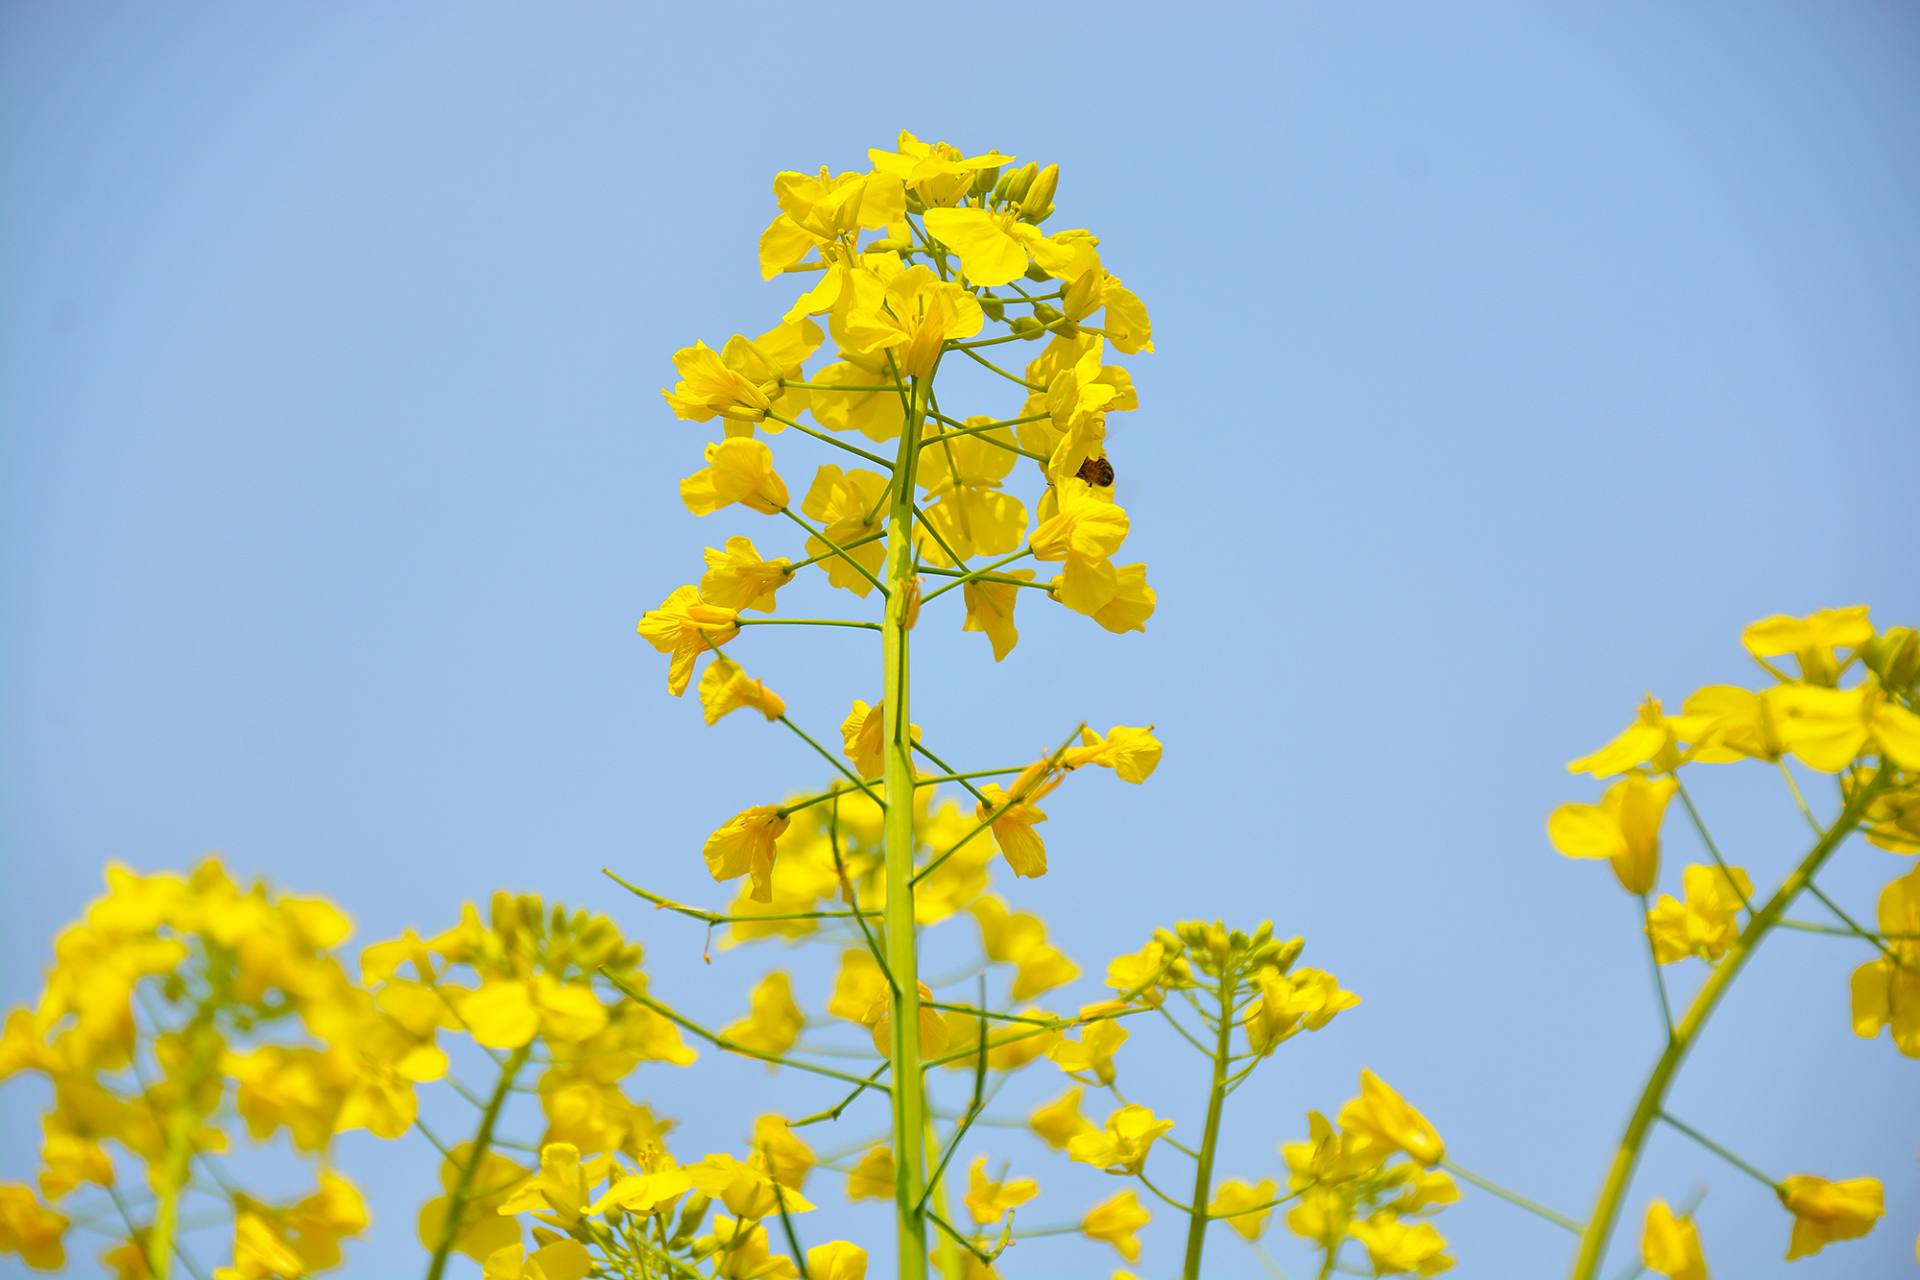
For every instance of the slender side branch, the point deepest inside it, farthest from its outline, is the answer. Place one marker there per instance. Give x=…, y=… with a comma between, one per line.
x=719, y=1041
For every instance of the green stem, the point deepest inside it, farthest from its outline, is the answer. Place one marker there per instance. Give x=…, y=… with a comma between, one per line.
x=720, y=917
x=1606, y=1208
x=838, y=444
x=805, y=622
x=982, y=360
x=903, y=961
x=971, y=575
x=842, y=549
x=181, y=1123
x=1210, y=1136
x=1653, y=959
x=1751, y=1171
x=482, y=1139
x=833, y=760
x=721, y=1042
x=836, y=548
x=1514, y=1198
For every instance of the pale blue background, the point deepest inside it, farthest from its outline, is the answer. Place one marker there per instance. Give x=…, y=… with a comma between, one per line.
x=1511, y=359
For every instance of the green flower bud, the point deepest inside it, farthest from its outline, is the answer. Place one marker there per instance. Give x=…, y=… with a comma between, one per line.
x=1019, y=182
x=1894, y=656
x=1037, y=201
x=692, y=1214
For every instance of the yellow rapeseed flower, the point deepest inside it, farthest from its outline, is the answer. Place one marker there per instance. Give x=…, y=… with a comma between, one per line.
x=1670, y=1245
x=1383, y=1115
x=1623, y=828
x=1886, y=990
x=744, y=846
x=1239, y=1205
x=739, y=469
x=989, y=1199
x=1117, y=1220
x=1825, y=1212
x=1122, y=1146
x=1707, y=923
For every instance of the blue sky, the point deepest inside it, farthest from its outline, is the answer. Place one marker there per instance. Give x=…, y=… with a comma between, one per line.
x=1511, y=358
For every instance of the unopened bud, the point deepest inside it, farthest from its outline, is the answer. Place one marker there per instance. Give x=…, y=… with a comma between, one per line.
x=1027, y=327
x=983, y=180
x=692, y=1214
x=1894, y=656
x=1037, y=201
x=1019, y=182
x=994, y=307
x=1037, y=275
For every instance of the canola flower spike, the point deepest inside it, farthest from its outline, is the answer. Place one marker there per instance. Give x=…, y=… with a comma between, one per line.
x=1844, y=706
x=905, y=264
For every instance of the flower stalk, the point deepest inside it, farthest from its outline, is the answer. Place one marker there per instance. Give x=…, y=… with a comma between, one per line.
x=1606, y=1207
x=903, y=962
x=482, y=1140
x=1209, y=1138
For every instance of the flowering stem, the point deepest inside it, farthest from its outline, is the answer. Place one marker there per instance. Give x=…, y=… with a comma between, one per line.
x=834, y=760
x=983, y=576
x=979, y=359
x=965, y=577
x=719, y=1041
x=805, y=622
x=1653, y=958
x=839, y=550
x=836, y=548
x=874, y=458
x=1513, y=1198
x=1706, y=837
x=720, y=917
x=1606, y=1208
x=1210, y=1136
x=903, y=962
x=986, y=822
x=1772, y=1184
x=482, y=1139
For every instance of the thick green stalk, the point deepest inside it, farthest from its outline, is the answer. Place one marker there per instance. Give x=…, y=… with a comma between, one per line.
x=470, y=1167
x=1202, y=1198
x=1593, y=1241
x=903, y=961
x=181, y=1123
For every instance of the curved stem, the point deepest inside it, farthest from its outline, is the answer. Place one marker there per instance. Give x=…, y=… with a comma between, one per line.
x=1210, y=1136
x=909, y=1094
x=1606, y=1208
x=482, y=1139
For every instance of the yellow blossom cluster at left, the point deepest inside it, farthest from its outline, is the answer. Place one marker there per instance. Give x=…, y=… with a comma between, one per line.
x=157, y=1013
x=188, y=1021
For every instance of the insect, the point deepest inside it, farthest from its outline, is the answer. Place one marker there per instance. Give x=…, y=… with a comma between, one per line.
x=1097, y=472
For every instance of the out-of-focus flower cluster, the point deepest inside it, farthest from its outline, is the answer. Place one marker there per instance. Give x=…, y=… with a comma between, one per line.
x=1841, y=703
x=158, y=1008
